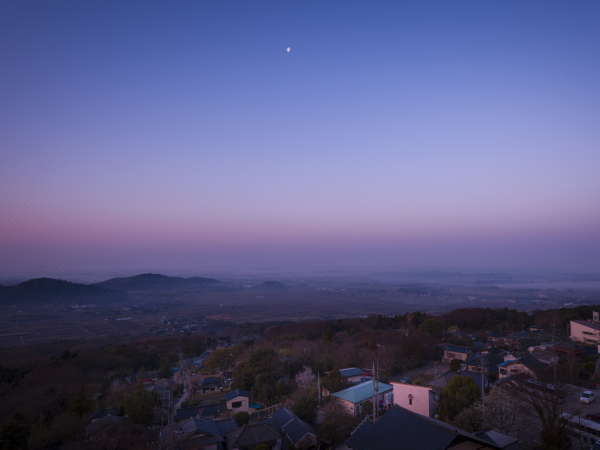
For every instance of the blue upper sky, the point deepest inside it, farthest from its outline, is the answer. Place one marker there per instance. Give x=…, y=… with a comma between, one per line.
x=181, y=135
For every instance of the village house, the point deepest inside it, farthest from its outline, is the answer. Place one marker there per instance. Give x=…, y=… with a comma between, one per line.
x=355, y=398
x=519, y=340
x=452, y=352
x=257, y=435
x=544, y=354
x=211, y=384
x=418, y=399
x=201, y=434
x=489, y=360
x=354, y=375
x=526, y=365
x=297, y=432
x=238, y=400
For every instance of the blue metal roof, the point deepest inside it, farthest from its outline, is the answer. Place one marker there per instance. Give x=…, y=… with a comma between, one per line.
x=456, y=348
x=362, y=391
x=351, y=372
x=236, y=393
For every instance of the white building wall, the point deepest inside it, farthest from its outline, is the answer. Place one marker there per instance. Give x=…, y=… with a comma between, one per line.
x=244, y=404
x=418, y=399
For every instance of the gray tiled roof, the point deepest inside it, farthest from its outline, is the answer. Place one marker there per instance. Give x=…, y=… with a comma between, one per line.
x=256, y=433
x=214, y=427
x=401, y=429
x=456, y=348
x=291, y=425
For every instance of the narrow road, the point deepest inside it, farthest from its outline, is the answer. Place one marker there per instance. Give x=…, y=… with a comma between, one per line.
x=187, y=387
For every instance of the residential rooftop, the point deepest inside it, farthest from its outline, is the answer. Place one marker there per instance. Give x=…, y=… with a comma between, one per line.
x=363, y=391
x=588, y=323
x=352, y=372
x=236, y=393
x=401, y=429
x=456, y=348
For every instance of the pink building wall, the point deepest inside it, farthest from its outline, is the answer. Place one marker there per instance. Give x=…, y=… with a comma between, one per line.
x=584, y=333
x=418, y=399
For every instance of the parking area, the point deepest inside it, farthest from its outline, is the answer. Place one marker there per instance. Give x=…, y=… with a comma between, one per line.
x=574, y=406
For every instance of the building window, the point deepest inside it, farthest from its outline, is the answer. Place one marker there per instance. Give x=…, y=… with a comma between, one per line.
x=236, y=404
x=410, y=399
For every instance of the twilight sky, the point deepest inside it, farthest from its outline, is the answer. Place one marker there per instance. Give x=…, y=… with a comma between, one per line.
x=180, y=135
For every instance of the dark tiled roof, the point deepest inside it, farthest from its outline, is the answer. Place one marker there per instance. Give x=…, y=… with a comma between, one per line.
x=351, y=372
x=492, y=358
x=209, y=381
x=256, y=433
x=212, y=410
x=401, y=429
x=185, y=413
x=236, y=393
x=532, y=363
x=291, y=425
x=456, y=348
x=296, y=430
x=215, y=427
x=282, y=416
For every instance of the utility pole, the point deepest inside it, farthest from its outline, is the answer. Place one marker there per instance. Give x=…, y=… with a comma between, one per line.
x=555, y=367
x=482, y=386
x=318, y=388
x=375, y=392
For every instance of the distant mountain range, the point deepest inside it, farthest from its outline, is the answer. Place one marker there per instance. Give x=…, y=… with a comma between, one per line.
x=51, y=290
x=54, y=291
x=155, y=281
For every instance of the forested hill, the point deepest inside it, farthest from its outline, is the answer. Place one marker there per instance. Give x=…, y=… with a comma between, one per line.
x=51, y=290
x=147, y=281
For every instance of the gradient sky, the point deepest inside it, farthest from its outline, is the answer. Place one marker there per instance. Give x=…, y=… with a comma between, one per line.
x=179, y=135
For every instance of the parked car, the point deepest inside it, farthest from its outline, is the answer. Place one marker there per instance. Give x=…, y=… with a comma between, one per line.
x=587, y=397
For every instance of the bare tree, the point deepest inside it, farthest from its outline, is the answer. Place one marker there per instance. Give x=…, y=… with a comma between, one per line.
x=546, y=402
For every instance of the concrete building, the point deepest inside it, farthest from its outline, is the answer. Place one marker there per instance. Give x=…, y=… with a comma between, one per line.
x=586, y=331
